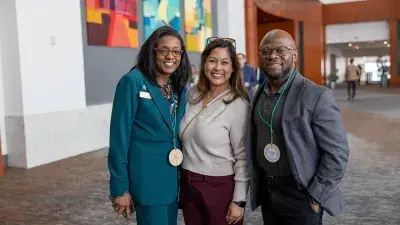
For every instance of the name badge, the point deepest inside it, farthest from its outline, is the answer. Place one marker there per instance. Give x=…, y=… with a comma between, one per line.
x=143, y=94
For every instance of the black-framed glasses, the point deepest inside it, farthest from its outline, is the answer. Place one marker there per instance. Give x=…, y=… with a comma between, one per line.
x=281, y=51
x=165, y=51
x=229, y=40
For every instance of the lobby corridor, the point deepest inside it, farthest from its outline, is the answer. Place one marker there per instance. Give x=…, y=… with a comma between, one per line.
x=74, y=191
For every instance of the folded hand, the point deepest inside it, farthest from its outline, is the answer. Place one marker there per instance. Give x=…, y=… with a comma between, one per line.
x=123, y=205
x=235, y=213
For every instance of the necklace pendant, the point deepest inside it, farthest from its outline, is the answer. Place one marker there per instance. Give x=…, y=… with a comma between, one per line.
x=272, y=153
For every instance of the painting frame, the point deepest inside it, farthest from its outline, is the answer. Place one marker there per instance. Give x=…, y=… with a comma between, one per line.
x=112, y=23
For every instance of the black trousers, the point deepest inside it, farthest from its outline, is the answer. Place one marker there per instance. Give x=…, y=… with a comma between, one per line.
x=351, y=86
x=286, y=203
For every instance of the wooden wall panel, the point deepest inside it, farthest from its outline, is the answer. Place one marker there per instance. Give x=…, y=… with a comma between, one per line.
x=395, y=78
x=355, y=12
x=313, y=51
x=303, y=10
x=310, y=12
x=287, y=25
x=251, y=32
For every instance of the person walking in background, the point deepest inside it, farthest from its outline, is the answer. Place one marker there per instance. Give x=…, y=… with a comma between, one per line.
x=144, y=145
x=352, y=76
x=359, y=74
x=195, y=76
x=215, y=174
x=296, y=145
x=249, y=75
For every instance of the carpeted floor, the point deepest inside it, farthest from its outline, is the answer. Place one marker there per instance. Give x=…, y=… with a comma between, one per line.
x=74, y=191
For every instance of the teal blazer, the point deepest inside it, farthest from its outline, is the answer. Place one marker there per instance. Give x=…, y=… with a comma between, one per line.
x=140, y=141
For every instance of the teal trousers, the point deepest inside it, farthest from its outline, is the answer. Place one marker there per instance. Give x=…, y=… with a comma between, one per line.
x=157, y=215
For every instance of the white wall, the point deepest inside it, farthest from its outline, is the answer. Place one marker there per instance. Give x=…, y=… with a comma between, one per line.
x=231, y=22
x=10, y=59
x=51, y=53
x=340, y=63
x=59, y=135
x=357, y=32
x=10, y=82
x=43, y=113
x=2, y=125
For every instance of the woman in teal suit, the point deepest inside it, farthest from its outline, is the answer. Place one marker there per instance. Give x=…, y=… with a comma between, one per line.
x=144, y=145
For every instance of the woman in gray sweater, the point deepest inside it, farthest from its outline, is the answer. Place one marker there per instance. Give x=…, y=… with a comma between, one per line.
x=215, y=176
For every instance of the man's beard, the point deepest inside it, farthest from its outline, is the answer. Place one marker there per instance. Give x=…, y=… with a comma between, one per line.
x=284, y=73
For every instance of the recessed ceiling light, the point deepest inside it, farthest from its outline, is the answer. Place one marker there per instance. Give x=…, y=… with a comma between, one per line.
x=350, y=44
x=385, y=42
x=357, y=47
x=388, y=45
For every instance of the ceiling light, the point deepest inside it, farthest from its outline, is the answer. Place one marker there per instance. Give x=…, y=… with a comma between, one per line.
x=388, y=45
x=385, y=42
x=350, y=44
x=357, y=47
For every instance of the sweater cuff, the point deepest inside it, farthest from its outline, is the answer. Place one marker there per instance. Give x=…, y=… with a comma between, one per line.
x=240, y=191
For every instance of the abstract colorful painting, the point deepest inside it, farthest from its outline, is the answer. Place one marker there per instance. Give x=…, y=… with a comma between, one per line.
x=157, y=13
x=198, y=24
x=112, y=23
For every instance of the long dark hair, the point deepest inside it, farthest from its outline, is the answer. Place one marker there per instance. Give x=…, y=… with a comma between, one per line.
x=146, y=62
x=236, y=80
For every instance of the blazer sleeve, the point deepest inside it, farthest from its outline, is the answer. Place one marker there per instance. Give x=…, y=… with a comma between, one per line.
x=331, y=139
x=123, y=112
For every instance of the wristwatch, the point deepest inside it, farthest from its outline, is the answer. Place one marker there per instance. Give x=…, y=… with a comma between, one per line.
x=241, y=204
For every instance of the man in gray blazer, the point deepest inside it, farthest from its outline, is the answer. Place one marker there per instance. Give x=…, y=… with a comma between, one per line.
x=296, y=146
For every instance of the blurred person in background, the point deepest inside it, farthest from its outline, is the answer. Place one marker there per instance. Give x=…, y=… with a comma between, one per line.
x=352, y=76
x=249, y=75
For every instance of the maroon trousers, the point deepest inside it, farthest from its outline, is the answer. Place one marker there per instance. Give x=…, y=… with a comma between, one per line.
x=204, y=200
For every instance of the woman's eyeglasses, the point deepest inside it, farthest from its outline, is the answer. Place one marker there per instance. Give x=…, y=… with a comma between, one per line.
x=164, y=51
x=229, y=40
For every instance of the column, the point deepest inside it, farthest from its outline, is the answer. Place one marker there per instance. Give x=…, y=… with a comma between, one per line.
x=230, y=22
x=43, y=80
x=251, y=32
x=394, y=52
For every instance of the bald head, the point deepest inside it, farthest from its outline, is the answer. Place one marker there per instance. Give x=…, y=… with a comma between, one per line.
x=278, y=35
x=278, y=54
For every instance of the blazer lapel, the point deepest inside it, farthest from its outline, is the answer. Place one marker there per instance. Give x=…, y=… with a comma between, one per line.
x=257, y=96
x=293, y=97
x=161, y=103
x=248, y=141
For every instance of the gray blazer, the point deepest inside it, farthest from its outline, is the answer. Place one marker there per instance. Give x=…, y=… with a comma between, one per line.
x=316, y=144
